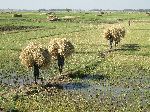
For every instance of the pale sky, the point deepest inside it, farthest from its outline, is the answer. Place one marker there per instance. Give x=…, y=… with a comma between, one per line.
x=75, y=4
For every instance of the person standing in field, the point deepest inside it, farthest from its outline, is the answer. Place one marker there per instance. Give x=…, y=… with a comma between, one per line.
x=129, y=22
x=61, y=62
x=36, y=72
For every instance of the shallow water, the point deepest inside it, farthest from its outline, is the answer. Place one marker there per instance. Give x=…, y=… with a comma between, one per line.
x=113, y=93
x=15, y=80
x=94, y=87
x=125, y=86
x=91, y=89
x=87, y=85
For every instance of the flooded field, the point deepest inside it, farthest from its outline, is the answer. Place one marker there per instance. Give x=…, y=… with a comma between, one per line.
x=95, y=78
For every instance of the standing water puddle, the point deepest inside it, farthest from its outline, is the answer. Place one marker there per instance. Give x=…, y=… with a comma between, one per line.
x=103, y=90
x=86, y=86
x=90, y=88
x=17, y=80
x=14, y=80
x=125, y=86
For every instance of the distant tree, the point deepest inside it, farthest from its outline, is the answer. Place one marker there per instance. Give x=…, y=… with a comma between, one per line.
x=41, y=10
x=68, y=10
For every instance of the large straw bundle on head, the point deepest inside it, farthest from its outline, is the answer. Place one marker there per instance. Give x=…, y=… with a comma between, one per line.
x=62, y=46
x=107, y=33
x=66, y=47
x=114, y=32
x=35, y=53
x=53, y=48
x=121, y=31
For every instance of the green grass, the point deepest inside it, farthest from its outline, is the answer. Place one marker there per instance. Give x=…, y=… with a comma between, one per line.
x=125, y=69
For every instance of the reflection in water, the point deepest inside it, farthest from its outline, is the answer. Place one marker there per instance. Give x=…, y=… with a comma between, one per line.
x=15, y=80
x=87, y=85
x=89, y=88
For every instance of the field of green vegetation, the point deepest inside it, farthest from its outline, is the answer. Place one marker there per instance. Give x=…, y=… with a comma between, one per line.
x=119, y=82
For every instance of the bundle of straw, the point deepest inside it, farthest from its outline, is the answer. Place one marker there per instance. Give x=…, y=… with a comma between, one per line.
x=35, y=53
x=62, y=46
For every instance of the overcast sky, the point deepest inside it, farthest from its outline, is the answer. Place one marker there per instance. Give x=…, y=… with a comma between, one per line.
x=75, y=4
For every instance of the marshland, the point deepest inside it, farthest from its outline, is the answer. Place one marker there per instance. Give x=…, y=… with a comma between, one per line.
x=95, y=78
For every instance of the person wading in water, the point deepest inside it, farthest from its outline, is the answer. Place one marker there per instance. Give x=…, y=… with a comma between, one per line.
x=36, y=72
x=61, y=62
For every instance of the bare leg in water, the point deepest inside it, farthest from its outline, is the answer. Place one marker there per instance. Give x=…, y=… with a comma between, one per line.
x=60, y=63
x=36, y=72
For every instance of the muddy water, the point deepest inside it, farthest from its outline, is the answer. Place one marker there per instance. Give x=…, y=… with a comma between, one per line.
x=86, y=85
x=117, y=92
x=15, y=80
x=123, y=86
x=126, y=91
x=93, y=89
